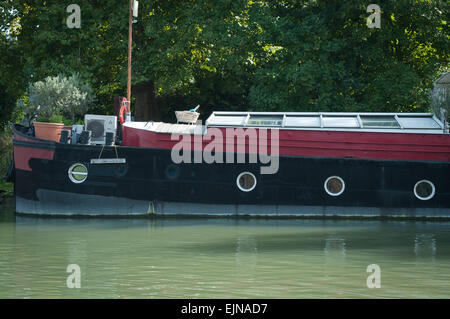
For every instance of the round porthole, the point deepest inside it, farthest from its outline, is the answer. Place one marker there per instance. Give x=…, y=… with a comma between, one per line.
x=334, y=185
x=424, y=190
x=172, y=171
x=120, y=170
x=246, y=181
x=78, y=173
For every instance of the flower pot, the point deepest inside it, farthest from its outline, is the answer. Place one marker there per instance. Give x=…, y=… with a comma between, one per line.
x=48, y=131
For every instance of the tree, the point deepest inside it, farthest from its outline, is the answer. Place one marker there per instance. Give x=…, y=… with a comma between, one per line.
x=60, y=96
x=96, y=51
x=11, y=65
x=329, y=60
x=280, y=55
x=195, y=52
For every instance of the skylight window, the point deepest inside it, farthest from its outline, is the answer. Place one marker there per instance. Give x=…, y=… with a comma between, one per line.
x=265, y=120
x=384, y=121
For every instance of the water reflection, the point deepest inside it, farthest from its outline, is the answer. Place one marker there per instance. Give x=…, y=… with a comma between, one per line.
x=335, y=247
x=425, y=246
x=334, y=264
x=77, y=252
x=246, y=254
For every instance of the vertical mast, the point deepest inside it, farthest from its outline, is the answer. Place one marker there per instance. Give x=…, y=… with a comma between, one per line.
x=130, y=29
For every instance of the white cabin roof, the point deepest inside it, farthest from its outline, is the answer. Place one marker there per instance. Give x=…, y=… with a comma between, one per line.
x=363, y=122
x=373, y=122
x=162, y=127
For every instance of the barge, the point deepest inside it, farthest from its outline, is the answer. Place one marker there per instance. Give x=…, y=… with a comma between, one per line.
x=243, y=164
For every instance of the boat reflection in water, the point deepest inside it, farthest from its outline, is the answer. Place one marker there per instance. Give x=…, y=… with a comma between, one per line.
x=335, y=248
x=425, y=246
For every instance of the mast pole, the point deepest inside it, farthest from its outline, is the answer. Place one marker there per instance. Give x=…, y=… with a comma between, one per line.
x=130, y=29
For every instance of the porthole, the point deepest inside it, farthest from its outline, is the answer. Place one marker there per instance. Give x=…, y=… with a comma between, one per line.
x=78, y=173
x=246, y=181
x=120, y=170
x=424, y=190
x=334, y=185
x=172, y=171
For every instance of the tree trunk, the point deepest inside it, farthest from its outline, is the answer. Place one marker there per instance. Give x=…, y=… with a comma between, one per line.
x=146, y=107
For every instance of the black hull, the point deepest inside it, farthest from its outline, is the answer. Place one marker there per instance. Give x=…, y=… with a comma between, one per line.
x=150, y=183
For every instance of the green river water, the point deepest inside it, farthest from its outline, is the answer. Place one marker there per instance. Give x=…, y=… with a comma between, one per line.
x=222, y=258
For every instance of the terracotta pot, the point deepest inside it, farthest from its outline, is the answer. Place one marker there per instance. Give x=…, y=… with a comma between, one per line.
x=48, y=131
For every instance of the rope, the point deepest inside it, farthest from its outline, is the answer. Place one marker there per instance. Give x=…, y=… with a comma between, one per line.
x=101, y=151
x=103, y=147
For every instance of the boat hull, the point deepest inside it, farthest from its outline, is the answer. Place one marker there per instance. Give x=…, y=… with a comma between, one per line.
x=149, y=183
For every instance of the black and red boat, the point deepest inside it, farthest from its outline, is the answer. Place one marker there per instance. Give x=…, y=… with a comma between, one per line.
x=244, y=163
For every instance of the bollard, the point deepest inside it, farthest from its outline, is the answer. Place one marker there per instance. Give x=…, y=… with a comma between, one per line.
x=64, y=136
x=85, y=137
x=109, y=139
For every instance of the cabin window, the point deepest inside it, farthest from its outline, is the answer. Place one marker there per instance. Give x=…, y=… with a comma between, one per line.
x=415, y=122
x=302, y=121
x=424, y=190
x=78, y=173
x=377, y=121
x=236, y=120
x=265, y=120
x=246, y=181
x=334, y=185
x=340, y=121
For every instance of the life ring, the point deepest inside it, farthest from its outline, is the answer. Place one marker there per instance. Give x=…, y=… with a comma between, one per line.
x=123, y=110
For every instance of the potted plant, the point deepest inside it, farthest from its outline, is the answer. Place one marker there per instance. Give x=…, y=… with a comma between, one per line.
x=54, y=100
x=49, y=129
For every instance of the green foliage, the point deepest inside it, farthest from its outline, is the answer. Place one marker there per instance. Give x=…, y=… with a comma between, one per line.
x=283, y=55
x=11, y=78
x=6, y=151
x=6, y=189
x=292, y=55
x=24, y=112
x=331, y=61
x=47, y=46
x=59, y=96
x=53, y=119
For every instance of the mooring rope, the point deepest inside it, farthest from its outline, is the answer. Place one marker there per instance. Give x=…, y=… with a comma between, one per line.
x=103, y=147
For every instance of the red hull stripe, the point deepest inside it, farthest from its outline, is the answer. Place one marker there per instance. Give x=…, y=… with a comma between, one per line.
x=399, y=146
x=19, y=137
x=22, y=156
